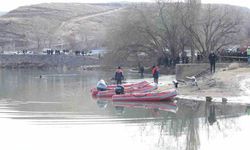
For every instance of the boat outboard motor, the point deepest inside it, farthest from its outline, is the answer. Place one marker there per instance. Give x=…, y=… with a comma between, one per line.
x=119, y=89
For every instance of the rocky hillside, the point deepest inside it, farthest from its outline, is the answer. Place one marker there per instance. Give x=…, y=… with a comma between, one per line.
x=55, y=25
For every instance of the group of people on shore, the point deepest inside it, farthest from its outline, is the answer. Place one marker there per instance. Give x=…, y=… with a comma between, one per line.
x=119, y=76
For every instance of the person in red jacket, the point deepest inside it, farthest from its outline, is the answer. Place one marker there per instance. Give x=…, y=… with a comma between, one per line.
x=155, y=73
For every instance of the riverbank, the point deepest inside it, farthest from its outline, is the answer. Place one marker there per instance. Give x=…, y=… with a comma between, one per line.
x=231, y=83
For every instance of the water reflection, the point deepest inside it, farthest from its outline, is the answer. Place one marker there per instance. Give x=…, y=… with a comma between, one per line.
x=181, y=119
x=211, y=113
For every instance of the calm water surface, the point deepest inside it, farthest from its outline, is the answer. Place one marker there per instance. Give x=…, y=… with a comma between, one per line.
x=57, y=112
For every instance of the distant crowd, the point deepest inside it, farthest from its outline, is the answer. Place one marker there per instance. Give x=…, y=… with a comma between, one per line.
x=223, y=56
x=233, y=56
x=58, y=52
x=48, y=52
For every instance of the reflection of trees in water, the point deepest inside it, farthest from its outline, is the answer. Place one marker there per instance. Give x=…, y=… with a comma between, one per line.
x=188, y=126
x=160, y=130
x=181, y=130
x=172, y=127
x=188, y=122
x=191, y=125
x=192, y=135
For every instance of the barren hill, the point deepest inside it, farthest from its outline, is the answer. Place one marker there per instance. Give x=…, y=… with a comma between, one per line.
x=55, y=25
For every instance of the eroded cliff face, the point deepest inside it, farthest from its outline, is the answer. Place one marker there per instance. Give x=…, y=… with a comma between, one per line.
x=55, y=25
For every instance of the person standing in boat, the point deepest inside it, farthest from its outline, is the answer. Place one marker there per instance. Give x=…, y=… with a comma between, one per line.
x=119, y=75
x=155, y=73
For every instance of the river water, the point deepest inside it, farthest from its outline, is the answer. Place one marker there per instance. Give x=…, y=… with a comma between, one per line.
x=57, y=112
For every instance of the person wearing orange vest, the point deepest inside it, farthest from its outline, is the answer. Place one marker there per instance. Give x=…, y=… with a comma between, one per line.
x=155, y=73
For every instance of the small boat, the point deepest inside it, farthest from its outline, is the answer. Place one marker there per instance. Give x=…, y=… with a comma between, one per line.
x=150, y=96
x=137, y=84
x=143, y=86
x=94, y=91
x=110, y=93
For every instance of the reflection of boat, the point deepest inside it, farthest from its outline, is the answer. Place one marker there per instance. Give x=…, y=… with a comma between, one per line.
x=151, y=96
x=164, y=106
x=102, y=103
x=139, y=87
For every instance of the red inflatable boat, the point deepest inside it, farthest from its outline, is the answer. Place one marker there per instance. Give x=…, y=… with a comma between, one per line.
x=151, y=96
x=139, y=87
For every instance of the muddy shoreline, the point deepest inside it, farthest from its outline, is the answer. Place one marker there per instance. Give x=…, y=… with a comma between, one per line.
x=226, y=83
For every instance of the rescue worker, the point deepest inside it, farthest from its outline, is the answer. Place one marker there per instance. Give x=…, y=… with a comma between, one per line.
x=119, y=75
x=155, y=73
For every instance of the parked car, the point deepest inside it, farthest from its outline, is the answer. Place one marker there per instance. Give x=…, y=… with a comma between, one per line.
x=30, y=52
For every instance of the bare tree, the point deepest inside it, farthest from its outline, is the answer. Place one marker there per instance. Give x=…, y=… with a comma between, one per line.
x=169, y=17
x=85, y=37
x=42, y=32
x=129, y=36
x=192, y=12
x=168, y=27
x=150, y=28
x=72, y=42
x=216, y=27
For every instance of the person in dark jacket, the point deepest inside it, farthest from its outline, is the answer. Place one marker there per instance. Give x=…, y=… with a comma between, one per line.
x=142, y=71
x=212, y=59
x=119, y=75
